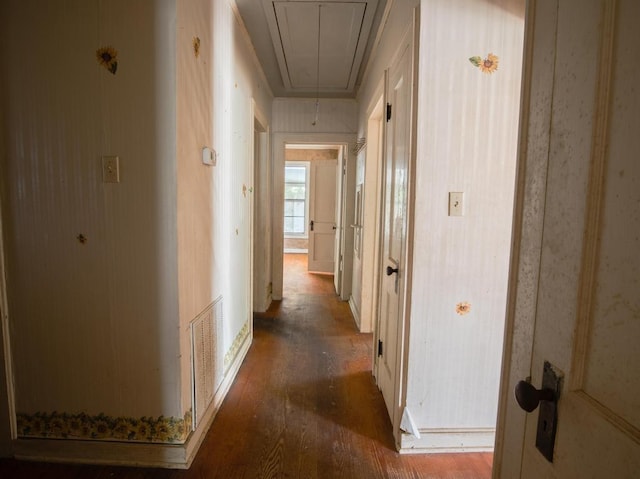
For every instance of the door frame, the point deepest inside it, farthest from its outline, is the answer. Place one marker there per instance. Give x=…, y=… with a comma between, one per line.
x=279, y=142
x=410, y=40
x=8, y=424
x=260, y=212
x=372, y=211
x=524, y=268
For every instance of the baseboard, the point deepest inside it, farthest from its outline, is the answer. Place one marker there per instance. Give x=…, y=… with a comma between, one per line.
x=448, y=440
x=354, y=312
x=264, y=306
x=170, y=456
x=101, y=452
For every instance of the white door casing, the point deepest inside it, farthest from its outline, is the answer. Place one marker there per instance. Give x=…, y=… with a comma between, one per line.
x=575, y=281
x=8, y=423
x=394, y=231
x=344, y=215
x=355, y=299
x=322, y=216
x=372, y=207
x=338, y=251
x=261, y=223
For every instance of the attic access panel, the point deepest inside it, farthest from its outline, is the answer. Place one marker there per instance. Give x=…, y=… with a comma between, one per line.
x=344, y=30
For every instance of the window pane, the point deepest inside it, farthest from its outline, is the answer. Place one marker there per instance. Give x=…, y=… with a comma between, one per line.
x=294, y=191
x=288, y=207
x=295, y=174
x=295, y=194
x=298, y=225
x=294, y=208
x=298, y=208
x=288, y=225
x=294, y=225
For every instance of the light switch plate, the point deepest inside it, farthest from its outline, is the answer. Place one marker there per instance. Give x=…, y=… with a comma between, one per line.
x=110, y=169
x=455, y=203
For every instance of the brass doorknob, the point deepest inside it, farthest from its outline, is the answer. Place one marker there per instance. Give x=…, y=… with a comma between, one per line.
x=529, y=397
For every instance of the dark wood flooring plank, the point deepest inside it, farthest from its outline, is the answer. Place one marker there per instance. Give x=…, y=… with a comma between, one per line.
x=303, y=406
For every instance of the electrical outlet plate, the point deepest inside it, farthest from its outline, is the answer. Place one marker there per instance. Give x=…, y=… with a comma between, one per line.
x=110, y=169
x=209, y=156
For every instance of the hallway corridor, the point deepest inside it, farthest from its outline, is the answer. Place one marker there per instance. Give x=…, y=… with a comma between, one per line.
x=304, y=405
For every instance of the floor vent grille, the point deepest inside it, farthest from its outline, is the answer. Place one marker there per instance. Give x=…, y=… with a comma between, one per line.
x=206, y=366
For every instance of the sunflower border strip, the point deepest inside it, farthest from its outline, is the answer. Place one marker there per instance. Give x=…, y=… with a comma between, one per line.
x=55, y=425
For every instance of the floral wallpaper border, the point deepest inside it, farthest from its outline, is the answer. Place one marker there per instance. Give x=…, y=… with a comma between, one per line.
x=55, y=425
x=163, y=430
x=235, y=347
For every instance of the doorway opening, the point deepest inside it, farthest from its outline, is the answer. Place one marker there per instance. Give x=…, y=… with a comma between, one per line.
x=312, y=208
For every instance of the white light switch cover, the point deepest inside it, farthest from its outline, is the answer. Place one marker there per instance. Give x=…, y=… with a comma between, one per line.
x=110, y=169
x=456, y=203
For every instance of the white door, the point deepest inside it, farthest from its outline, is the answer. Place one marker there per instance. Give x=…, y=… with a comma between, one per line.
x=577, y=288
x=396, y=164
x=322, y=216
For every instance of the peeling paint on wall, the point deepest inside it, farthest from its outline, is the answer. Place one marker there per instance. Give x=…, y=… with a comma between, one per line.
x=196, y=46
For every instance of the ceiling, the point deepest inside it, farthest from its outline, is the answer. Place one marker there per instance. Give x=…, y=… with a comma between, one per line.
x=285, y=36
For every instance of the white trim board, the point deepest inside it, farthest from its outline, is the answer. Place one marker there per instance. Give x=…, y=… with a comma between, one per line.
x=448, y=440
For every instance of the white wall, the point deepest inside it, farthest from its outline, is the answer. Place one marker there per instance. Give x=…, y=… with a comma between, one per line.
x=195, y=180
x=93, y=324
x=466, y=142
x=295, y=115
x=216, y=91
x=102, y=327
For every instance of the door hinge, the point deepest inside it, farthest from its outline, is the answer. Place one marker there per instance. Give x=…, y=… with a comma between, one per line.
x=388, y=111
x=379, y=347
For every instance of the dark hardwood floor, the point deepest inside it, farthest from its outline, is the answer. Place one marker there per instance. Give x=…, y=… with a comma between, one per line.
x=304, y=405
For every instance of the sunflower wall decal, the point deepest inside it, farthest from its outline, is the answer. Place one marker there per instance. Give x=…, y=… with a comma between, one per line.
x=463, y=308
x=486, y=65
x=108, y=58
